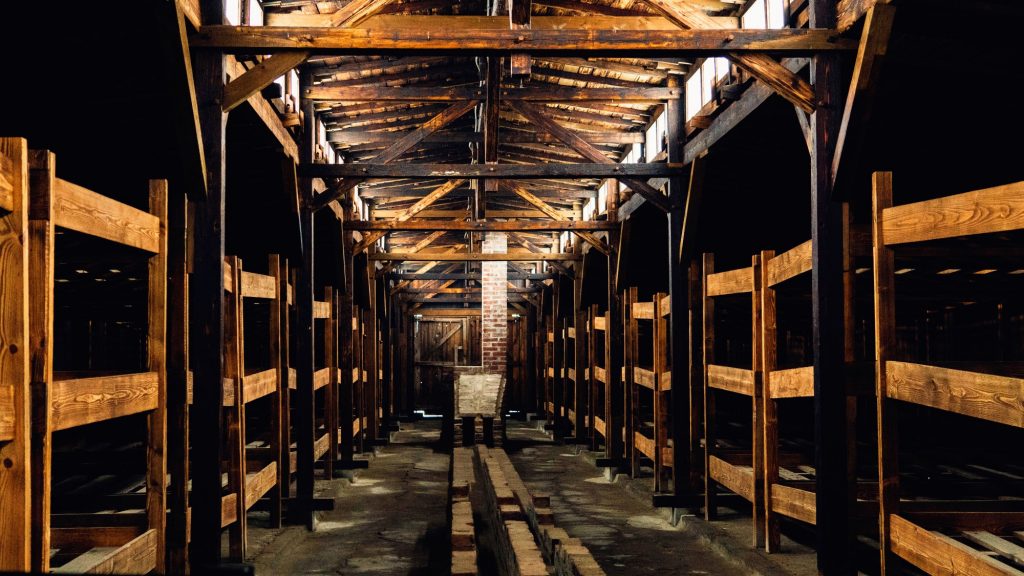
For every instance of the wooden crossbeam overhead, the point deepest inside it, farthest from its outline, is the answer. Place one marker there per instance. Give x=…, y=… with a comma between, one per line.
x=761, y=66
x=588, y=151
x=477, y=257
x=469, y=276
x=364, y=137
x=554, y=215
x=638, y=95
x=499, y=171
x=472, y=290
x=436, y=22
x=559, y=225
x=399, y=147
x=408, y=213
x=259, y=77
x=463, y=41
x=464, y=213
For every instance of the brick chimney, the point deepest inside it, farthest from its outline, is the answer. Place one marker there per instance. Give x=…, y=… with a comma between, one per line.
x=494, y=305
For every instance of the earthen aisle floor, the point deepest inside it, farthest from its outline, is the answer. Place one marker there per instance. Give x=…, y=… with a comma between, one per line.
x=390, y=520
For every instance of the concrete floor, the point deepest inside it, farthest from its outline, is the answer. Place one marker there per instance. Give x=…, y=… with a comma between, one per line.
x=391, y=519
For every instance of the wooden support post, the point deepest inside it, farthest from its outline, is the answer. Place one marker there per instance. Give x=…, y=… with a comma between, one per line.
x=769, y=363
x=531, y=359
x=348, y=361
x=696, y=389
x=595, y=409
x=557, y=365
x=207, y=300
x=632, y=403
x=156, y=420
x=234, y=370
x=490, y=128
x=369, y=378
x=832, y=496
x=678, y=192
x=305, y=357
x=279, y=408
x=331, y=420
x=757, y=415
x=708, y=358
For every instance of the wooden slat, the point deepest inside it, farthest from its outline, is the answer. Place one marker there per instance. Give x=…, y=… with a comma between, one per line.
x=356, y=426
x=739, y=479
x=229, y=279
x=572, y=374
x=643, y=310
x=666, y=381
x=599, y=323
x=293, y=378
x=1000, y=546
x=738, y=380
x=599, y=425
x=86, y=400
x=259, y=384
x=643, y=377
x=985, y=396
x=258, y=286
x=644, y=444
x=791, y=383
x=321, y=445
x=7, y=423
x=940, y=555
x=732, y=282
x=191, y=10
x=136, y=557
x=998, y=209
x=6, y=183
x=794, y=503
x=571, y=333
x=321, y=378
x=94, y=537
x=77, y=208
x=228, y=507
x=789, y=264
x=321, y=310
x=665, y=305
x=600, y=375
x=259, y=483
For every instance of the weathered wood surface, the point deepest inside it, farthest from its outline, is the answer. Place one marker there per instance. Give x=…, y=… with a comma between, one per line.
x=792, y=383
x=997, y=209
x=789, y=264
x=77, y=208
x=489, y=171
x=258, y=285
x=639, y=95
x=985, y=396
x=138, y=556
x=739, y=281
x=88, y=400
x=454, y=38
x=441, y=22
x=739, y=479
x=940, y=555
x=793, y=502
x=737, y=380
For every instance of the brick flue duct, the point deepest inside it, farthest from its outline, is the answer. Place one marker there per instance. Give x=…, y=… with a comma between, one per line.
x=494, y=306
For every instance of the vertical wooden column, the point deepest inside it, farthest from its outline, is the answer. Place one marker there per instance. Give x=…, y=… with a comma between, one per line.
x=207, y=301
x=662, y=414
x=708, y=349
x=373, y=359
x=279, y=408
x=593, y=408
x=757, y=415
x=677, y=288
x=15, y=498
x=369, y=393
x=769, y=363
x=581, y=391
x=632, y=405
x=234, y=371
x=331, y=419
x=305, y=358
x=834, y=508
x=557, y=365
x=614, y=392
x=156, y=421
x=348, y=361
x=696, y=388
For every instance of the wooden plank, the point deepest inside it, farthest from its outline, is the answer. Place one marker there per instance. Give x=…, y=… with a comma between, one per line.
x=739, y=479
x=83, y=401
x=321, y=310
x=789, y=264
x=794, y=503
x=985, y=396
x=488, y=171
x=15, y=388
x=479, y=22
x=475, y=257
x=258, y=77
x=643, y=377
x=258, y=286
x=265, y=112
x=484, y=226
x=321, y=445
x=644, y=444
x=599, y=323
x=643, y=310
x=600, y=374
x=665, y=306
x=94, y=537
x=407, y=214
x=259, y=384
x=321, y=378
x=156, y=350
x=138, y=556
x=940, y=555
x=1000, y=546
x=456, y=38
x=737, y=380
x=791, y=383
x=77, y=208
x=987, y=211
x=259, y=483
x=643, y=95
x=739, y=281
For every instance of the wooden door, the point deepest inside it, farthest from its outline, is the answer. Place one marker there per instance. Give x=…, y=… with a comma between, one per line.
x=440, y=346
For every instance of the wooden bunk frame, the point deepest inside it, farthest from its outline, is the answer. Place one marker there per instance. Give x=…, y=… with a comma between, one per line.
x=325, y=445
x=15, y=389
x=655, y=380
x=733, y=469
x=576, y=409
x=108, y=543
x=550, y=414
x=600, y=397
x=358, y=416
x=922, y=538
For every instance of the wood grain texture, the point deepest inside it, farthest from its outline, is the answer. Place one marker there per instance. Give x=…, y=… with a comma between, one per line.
x=80, y=209
x=789, y=264
x=793, y=503
x=739, y=479
x=258, y=286
x=985, y=396
x=478, y=22
x=997, y=209
x=792, y=383
x=940, y=555
x=737, y=380
x=259, y=384
x=15, y=391
x=138, y=556
x=83, y=401
x=321, y=310
x=739, y=281
x=321, y=378
x=259, y=483
x=156, y=350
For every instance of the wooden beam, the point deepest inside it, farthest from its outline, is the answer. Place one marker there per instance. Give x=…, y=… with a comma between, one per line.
x=440, y=22
x=587, y=150
x=259, y=77
x=468, y=276
x=532, y=93
x=554, y=215
x=519, y=16
x=500, y=171
x=475, y=257
x=559, y=225
x=351, y=137
x=408, y=213
x=395, y=150
x=761, y=66
x=462, y=41
x=265, y=112
x=179, y=68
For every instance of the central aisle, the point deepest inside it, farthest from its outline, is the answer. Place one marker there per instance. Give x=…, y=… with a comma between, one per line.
x=390, y=520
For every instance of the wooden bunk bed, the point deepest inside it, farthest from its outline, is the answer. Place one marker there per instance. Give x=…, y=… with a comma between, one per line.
x=131, y=540
x=15, y=392
x=600, y=400
x=325, y=378
x=648, y=383
x=358, y=416
x=576, y=376
x=549, y=373
x=954, y=537
x=740, y=468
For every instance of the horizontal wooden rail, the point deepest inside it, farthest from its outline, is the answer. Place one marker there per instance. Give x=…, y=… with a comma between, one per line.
x=82, y=210
x=738, y=380
x=321, y=310
x=791, y=383
x=936, y=553
x=258, y=286
x=600, y=323
x=998, y=209
x=599, y=425
x=789, y=264
x=321, y=445
x=600, y=375
x=80, y=401
x=738, y=281
x=984, y=396
x=643, y=377
x=259, y=483
x=739, y=479
x=321, y=378
x=259, y=385
x=794, y=503
x=644, y=444
x=643, y=310
x=138, y=556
